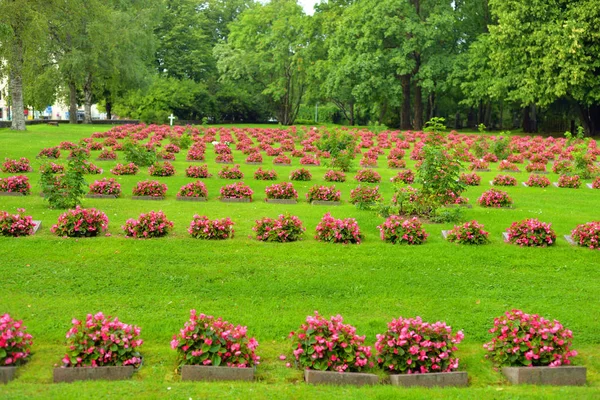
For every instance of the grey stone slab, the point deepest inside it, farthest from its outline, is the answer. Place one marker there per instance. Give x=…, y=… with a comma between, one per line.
x=12, y=194
x=439, y=379
x=147, y=197
x=555, y=184
x=505, y=236
x=282, y=201
x=235, y=200
x=253, y=163
x=36, y=226
x=92, y=374
x=190, y=198
x=589, y=185
x=208, y=373
x=7, y=374
x=569, y=239
x=325, y=203
x=282, y=165
x=524, y=184
x=339, y=378
x=557, y=376
x=482, y=170
x=225, y=162
x=370, y=166
x=445, y=234
x=101, y=196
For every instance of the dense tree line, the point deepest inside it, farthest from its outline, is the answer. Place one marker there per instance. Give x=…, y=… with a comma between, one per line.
x=500, y=63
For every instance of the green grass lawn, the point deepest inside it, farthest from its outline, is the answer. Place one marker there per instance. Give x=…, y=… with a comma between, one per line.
x=47, y=281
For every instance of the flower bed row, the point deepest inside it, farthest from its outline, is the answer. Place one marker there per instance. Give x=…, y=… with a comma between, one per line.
x=81, y=222
x=408, y=346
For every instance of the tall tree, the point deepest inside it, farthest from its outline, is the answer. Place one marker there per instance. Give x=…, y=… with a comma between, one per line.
x=267, y=45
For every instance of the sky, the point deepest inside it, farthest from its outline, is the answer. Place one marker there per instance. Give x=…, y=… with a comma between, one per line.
x=308, y=5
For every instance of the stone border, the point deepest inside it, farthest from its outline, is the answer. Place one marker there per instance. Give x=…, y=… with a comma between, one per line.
x=253, y=163
x=106, y=159
x=12, y=194
x=369, y=166
x=556, y=376
x=191, y=198
x=439, y=379
x=339, y=378
x=101, y=196
x=589, y=185
x=155, y=198
x=325, y=203
x=445, y=234
x=225, y=162
x=7, y=374
x=459, y=205
x=235, y=200
x=525, y=184
x=481, y=170
x=282, y=165
x=92, y=373
x=570, y=240
x=36, y=226
x=208, y=373
x=196, y=161
x=505, y=237
x=282, y=201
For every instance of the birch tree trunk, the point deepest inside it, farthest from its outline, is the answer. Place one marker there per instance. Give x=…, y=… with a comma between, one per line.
x=15, y=83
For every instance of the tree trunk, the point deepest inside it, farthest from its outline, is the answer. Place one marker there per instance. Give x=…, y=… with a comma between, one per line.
x=418, y=124
x=487, y=119
x=87, y=106
x=351, y=112
x=16, y=88
x=72, y=103
x=405, y=110
x=382, y=112
x=457, y=121
x=108, y=109
x=590, y=118
x=529, y=124
x=471, y=118
x=501, y=115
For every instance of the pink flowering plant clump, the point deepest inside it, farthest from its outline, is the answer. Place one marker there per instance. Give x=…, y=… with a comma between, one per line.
x=150, y=188
x=165, y=155
x=102, y=341
x=562, y=167
x=569, y=181
x=15, y=184
x=254, y=157
x=282, y=159
x=50, y=152
x=16, y=166
x=368, y=176
x=397, y=230
x=479, y=165
x=237, y=190
x=107, y=155
x=323, y=193
x=286, y=228
x=528, y=340
x=536, y=167
x=52, y=168
x=504, y=180
x=495, y=198
x=265, y=175
x=411, y=346
x=537, y=181
x=194, y=189
x=394, y=163
x=81, y=222
x=470, y=179
x=224, y=158
x=228, y=172
x=106, y=186
x=365, y=196
x=301, y=174
x=284, y=190
x=15, y=342
x=471, y=232
x=329, y=345
x=531, y=233
x=406, y=176
x=334, y=230
x=596, y=183
x=197, y=171
x=162, y=169
x=16, y=224
x=90, y=168
x=125, y=169
x=309, y=160
x=206, y=340
x=149, y=225
x=335, y=176
x=587, y=235
x=202, y=227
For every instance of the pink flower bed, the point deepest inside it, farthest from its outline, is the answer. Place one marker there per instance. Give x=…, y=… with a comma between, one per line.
x=52, y=168
x=195, y=154
x=536, y=167
x=411, y=346
x=16, y=224
x=265, y=175
x=106, y=186
x=468, y=233
x=15, y=184
x=335, y=176
x=194, y=189
x=367, y=176
x=101, y=341
x=406, y=176
x=254, y=158
x=50, y=152
x=397, y=230
x=506, y=165
x=596, y=183
x=152, y=224
x=504, y=180
x=202, y=227
x=228, y=172
x=479, y=164
x=224, y=158
x=495, y=198
x=107, y=155
x=284, y=190
x=16, y=166
x=393, y=163
x=562, y=167
x=125, y=169
x=81, y=222
x=15, y=342
x=309, y=160
x=365, y=195
x=197, y=171
x=282, y=159
x=528, y=340
x=323, y=193
x=329, y=345
x=470, y=179
x=206, y=340
x=162, y=169
x=587, y=235
x=286, y=228
x=301, y=174
x=538, y=181
x=237, y=190
x=531, y=233
x=150, y=188
x=338, y=230
x=566, y=181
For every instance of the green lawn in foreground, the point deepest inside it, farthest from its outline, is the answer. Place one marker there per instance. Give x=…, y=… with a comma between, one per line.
x=47, y=281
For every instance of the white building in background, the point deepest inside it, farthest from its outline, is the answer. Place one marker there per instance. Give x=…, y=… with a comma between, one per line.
x=58, y=111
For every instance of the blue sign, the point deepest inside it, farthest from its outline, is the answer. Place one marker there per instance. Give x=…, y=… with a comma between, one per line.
x=49, y=110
